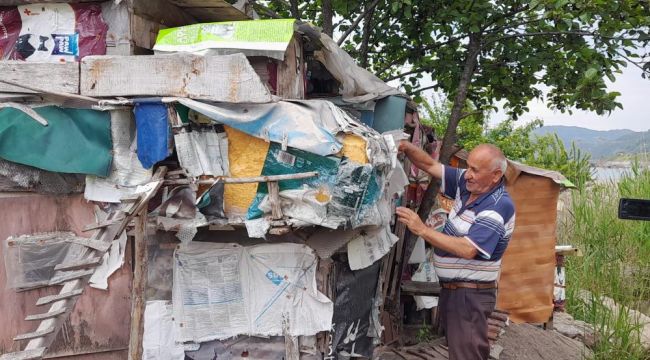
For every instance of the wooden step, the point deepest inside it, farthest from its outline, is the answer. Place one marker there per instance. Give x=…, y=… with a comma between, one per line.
x=31, y=354
x=102, y=224
x=52, y=298
x=35, y=334
x=93, y=244
x=93, y=261
x=71, y=276
x=46, y=315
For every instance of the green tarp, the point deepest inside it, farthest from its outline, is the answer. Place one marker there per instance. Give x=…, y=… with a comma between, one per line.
x=75, y=141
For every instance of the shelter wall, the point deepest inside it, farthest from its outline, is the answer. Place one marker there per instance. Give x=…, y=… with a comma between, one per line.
x=99, y=322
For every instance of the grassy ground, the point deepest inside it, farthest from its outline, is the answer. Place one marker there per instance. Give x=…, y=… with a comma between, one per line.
x=615, y=263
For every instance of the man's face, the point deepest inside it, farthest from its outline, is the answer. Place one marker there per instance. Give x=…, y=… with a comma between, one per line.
x=480, y=174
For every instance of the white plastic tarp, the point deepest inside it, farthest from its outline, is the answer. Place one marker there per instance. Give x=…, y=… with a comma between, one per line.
x=158, y=340
x=127, y=171
x=224, y=290
x=369, y=247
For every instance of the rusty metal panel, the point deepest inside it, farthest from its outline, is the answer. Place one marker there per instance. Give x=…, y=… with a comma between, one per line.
x=100, y=320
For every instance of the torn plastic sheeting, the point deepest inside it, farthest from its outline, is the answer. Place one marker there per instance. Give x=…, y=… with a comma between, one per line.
x=293, y=161
x=306, y=204
x=126, y=170
x=200, y=152
x=112, y=260
x=309, y=125
x=224, y=290
x=75, y=141
x=358, y=85
x=253, y=38
x=370, y=246
x=30, y=259
x=211, y=202
x=272, y=348
x=52, y=32
x=352, y=311
x=349, y=191
x=327, y=242
x=153, y=132
x=158, y=338
x=40, y=181
x=426, y=272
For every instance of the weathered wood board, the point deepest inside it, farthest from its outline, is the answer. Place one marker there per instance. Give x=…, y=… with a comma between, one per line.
x=59, y=77
x=528, y=265
x=226, y=78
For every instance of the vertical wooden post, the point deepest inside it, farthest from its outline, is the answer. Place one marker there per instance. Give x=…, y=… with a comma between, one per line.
x=274, y=199
x=139, y=286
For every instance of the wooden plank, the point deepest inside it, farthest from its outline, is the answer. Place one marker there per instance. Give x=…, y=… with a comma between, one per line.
x=79, y=264
x=216, y=14
x=46, y=315
x=144, y=32
x=290, y=72
x=139, y=286
x=163, y=12
x=424, y=288
x=225, y=78
x=93, y=244
x=61, y=77
x=200, y=3
x=71, y=276
x=35, y=334
x=103, y=224
x=52, y=298
x=31, y=354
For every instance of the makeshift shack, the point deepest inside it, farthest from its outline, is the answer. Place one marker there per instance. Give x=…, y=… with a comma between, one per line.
x=216, y=197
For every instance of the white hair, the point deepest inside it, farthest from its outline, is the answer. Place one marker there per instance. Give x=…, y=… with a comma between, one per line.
x=500, y=163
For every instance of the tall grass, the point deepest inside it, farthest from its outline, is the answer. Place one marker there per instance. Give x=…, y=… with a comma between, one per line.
x=615, y=264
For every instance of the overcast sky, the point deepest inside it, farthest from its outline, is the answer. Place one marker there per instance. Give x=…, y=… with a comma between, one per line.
x=635, y=115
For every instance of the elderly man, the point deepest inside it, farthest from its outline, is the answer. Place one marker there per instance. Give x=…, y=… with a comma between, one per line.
x=468, y=252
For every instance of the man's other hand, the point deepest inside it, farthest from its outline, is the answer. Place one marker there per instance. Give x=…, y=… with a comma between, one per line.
x=403, y=144
x=409, y=218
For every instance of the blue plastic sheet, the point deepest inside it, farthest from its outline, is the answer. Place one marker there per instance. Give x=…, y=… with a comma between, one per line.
x=153, y=132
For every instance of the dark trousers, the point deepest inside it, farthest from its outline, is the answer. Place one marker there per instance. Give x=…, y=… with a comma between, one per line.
x=463, y=317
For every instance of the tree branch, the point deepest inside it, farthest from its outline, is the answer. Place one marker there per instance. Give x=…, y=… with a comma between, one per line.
x=417, y=91
x=426, y=48
x=406, y=73
x=295, y=11
x=477, y=112
x=328, y=14
x=633, y=62
x=356, y=23
x=263, y=9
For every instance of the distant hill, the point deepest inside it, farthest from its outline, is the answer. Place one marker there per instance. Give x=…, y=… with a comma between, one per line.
x=602, y=145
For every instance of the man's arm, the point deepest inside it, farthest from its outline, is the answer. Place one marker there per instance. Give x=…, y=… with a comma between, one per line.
x=458, y=246
x=421, y=159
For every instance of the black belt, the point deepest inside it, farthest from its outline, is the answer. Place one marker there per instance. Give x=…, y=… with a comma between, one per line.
x=468, y=285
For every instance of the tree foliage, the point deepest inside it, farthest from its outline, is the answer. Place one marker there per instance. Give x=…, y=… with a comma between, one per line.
x=517, y=143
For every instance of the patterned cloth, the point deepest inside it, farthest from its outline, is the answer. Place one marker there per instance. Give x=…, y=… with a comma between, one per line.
x=487, y=224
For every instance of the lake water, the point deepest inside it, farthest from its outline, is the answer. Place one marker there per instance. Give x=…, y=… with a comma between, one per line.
x=603, y=174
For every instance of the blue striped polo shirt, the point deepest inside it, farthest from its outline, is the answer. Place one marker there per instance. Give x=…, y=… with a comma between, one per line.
x=487, y=224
